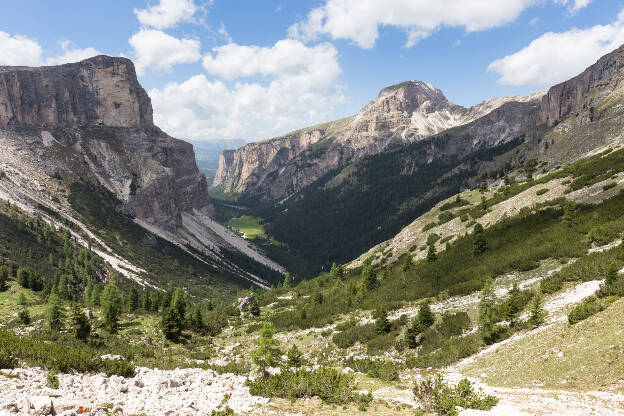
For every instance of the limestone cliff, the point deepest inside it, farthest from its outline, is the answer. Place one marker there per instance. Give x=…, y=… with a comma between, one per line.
x=401, y=114
x=91, y=122
x=565, y=98
x=97, y=91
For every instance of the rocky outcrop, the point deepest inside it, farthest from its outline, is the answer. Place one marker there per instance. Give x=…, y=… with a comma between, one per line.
x=97, y=91
x=401, y=114
x=569, y=96
x=98, y=107
x=91, y=122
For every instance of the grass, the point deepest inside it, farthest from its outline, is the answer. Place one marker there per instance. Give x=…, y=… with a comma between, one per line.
x=581, y=357
x=250, y=226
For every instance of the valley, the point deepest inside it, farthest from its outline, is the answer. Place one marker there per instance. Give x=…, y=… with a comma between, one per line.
x=418, y=257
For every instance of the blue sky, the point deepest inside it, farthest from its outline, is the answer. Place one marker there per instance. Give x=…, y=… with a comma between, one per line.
x=255, y=69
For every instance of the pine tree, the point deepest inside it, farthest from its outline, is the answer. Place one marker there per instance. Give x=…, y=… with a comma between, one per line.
x=336, y=272
x=411, y=336
x=146, y=301
x=382, y=326
x=133, y=299
x=21, y=300
x=111, y=307
x=63, y=290
x=318, y=299
x=165, y=301
x=611, y=275
x=537, y=316
x=94, y=300
x=287, y=281
x=178, y=301
x=425, y=316
x=22, y=277
x=487, y=308
x=267, y=353
x=431, y=254
x=54, y=313
x=479, y=242
x=197, y=322
x=4, y=276
x=24, y=317
x=369, y=281
x=254, y=309
x=171, y=324
x=512, y=306
x=82, y=326
x=294, y=357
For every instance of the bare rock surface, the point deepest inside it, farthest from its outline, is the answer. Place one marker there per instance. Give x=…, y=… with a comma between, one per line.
x=401, y=114
x=149, y=392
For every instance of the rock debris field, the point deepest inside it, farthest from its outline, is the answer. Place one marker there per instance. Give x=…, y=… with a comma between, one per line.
x=150, y=392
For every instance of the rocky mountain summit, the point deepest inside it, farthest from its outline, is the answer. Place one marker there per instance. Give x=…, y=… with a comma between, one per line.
x=401, y=114
x=91, y=122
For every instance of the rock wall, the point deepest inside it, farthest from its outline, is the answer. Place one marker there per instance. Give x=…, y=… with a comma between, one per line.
x=565, y=98
x=97, y=111
x=97, y=91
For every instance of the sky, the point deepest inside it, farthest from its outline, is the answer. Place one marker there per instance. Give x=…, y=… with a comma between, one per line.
x=255, y=69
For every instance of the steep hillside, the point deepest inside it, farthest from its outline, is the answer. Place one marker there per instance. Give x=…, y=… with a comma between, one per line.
x=401, y=114
x=353, y=207
x=77, y=141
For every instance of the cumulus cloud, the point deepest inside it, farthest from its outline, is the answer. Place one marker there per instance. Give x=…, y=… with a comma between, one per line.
x=555, y=57
x=71, y=53
x=159, y=51
x=168, y=13
x=359, y=20
x=302, y=87
x=19, y=50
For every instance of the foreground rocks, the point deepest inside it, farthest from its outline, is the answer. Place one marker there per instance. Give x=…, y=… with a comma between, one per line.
x=149, y=392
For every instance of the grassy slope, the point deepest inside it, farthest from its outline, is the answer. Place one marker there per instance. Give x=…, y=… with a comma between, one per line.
x=585, y=356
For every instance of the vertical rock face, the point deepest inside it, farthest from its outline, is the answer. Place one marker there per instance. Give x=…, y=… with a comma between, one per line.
x=101, y=106
x=402, y=113
x=97, y=91
x=565, y=98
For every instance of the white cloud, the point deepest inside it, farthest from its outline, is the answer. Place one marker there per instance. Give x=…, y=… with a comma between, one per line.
x=19, y=50
x=301, y=88
x=359, y=20
x=71, y=53
x=168, y=13
x=574, y=5
x=556, y=57
x=159, y=51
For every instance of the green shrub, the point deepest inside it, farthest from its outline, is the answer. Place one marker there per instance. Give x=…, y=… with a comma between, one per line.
x=608, y=186
x=52, y=380
x=7, y=361
x=436, y=396
x=589, y=307
x=432, y=238
x=454, y=349
x=24, y=317
x=381, y=369
x=429, y=226
x=541, y=191
x=551, y=284
x=61, y=355
x=328, y=384
x=458, y=202
x=380, y=343
x=445, y=217
x=356, y=333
